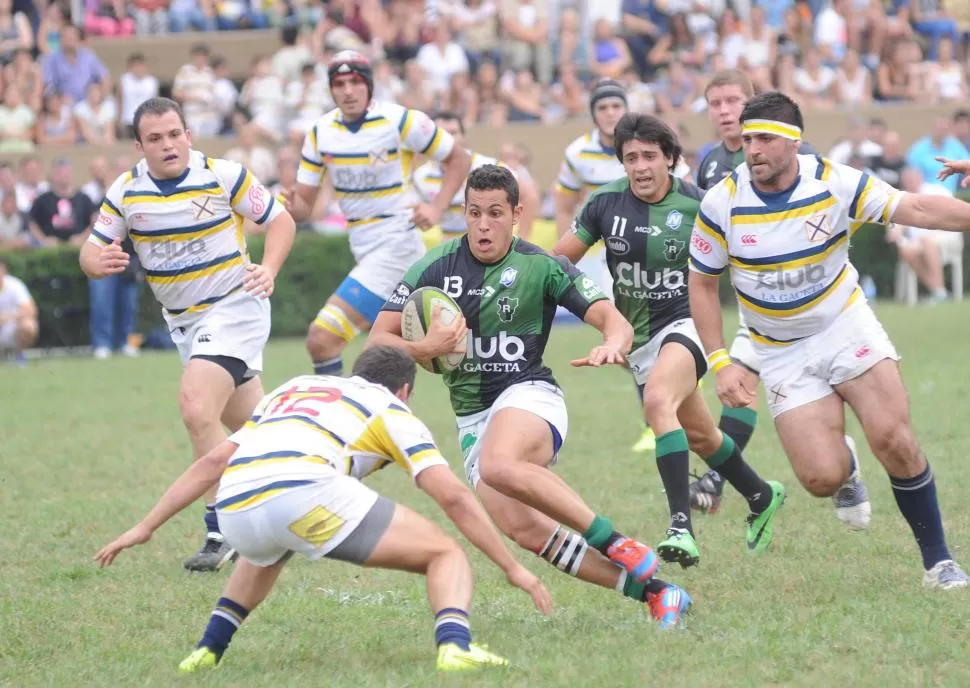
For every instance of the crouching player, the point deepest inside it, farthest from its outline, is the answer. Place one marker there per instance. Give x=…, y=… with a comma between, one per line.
x=290, y=483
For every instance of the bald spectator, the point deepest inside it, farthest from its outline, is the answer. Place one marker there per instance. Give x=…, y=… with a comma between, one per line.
x=72, y=67
x=18, y=316
x=889, y=165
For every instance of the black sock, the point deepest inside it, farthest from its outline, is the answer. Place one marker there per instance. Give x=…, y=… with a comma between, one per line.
x=673, y=462
x=738, y=424
x=729, y=463
x=917, y=502
x=211, y=521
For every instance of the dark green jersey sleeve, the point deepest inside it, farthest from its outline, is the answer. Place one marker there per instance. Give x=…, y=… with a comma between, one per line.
x=427, y=272
x=586, y=225
x=568, y=287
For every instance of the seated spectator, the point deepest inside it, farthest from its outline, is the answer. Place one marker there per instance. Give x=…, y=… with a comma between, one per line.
x=853, y=83
x=387, y=85
x=938, y=143
x=731, y=39
x=961, y=127
x=193, y=88
x=814, y=82
x=526, y=46
x=151, y=17
x=18, y=316
x=16, y=123
x=867, y=27
x=676, y=91
x=194, y=15
x=418, y=93
x=15, y=32
x=263, y=96
x=856, y=143
x=100, y=180
x=680, y=44
x=569, y=97
x=232, y=15
x=774, y=12
x=889, y=165
x=8, y=180
x=136, y=86
x=460, y=96
x=225, y=95
x=64, y=214
x=896, y=80
x=97, y=117
x=31, y=184
x=251, y=154
x=476, y=24
x=946, y=78
x=639, y=95
x=922, y=248
x=761, y=42
x=49, y=32
x=288, y=61
x=523, y=97
x=25, y=74
x=644, y=23
x=13, y=224
x=929, y=19
x=489, y=107
x=306, y=99
x=832, y=31
x=610, y=57
x=107, y=18
x=72, y=67
x=56, y=125
x=442, y=58
x=331, y=34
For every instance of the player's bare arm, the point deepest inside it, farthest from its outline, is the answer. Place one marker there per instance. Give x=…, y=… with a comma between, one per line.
x=300, y=201
x=617, y=336
x=933, y=212
x=570, y=247
x=567, y=202
x=201, y=476
x=529, y=198
x=440, y=339
x=454, y=170
x=951, y=167
x=261, y=278
x=98, y=261
x=462, y=508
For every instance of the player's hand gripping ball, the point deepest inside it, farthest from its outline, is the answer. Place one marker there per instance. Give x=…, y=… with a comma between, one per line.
x=429, y=313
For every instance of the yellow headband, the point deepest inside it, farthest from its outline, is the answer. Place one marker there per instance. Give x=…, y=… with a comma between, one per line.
x=769, y=126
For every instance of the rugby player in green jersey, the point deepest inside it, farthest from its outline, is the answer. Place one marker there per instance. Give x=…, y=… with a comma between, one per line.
x=645, y=219
x=511, y=414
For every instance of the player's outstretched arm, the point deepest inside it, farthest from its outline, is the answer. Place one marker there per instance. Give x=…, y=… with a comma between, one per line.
x=931, y=211
x=189, y=487
x=566, y=203
x=462, y=508
x=570, y=247
x=951, y=167
x=439, y=340
x=617, y=336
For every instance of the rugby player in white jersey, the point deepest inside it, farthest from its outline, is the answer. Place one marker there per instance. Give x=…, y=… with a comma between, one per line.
x=184, y=213
x=367, y=147
x=427, y=182
x=726, y=95
x=781, y=222
x=289, y=482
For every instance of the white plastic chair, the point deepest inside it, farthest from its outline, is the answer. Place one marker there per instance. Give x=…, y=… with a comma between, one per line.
x=907, y=284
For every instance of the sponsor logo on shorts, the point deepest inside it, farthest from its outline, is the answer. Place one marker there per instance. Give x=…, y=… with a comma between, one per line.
x=749, y=239
x=400, y=295
x=862, y=351
x=204, y=338
x=701, y=244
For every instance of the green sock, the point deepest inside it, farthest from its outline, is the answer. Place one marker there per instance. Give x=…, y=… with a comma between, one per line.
x=632, y=589
x=600, y=534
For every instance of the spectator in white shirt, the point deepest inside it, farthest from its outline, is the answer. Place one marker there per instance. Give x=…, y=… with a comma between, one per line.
x=224, y=93
x=289, y=60
x=387, y=86
x=249, y=153
x=96, y=116
x=137, y=86
x=307, y=99
x=814, y=81
x=193, y=87
x=442, y=58
x=262, y=95
x=18, y=315
x=832, y=31
x=856, y=143
x=32, y=183
x=100, y=179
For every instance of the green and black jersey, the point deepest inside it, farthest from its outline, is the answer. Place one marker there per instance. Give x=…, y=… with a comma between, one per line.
x=647, y=247
x=720, y=162
x=508, y=308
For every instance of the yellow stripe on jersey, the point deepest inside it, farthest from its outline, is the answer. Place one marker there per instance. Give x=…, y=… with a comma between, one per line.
x=405, y=124
x=370, y=123
x=434, y=143
x=194, y=272
x=770, y=341
x=566, y=189
x=824, y=170
x=377, y=440
x=360, y=158
x=731, y=182
x=355, y=222
x=110, y=208
x=710, y=228
x=372, y=192
x=241, y=187
x=309, y=165
x=796, y=259
x=595, y=155
x=210, y=189
x=272, y=458
x=885, y=219
x=754, y=215
x=260, y=494
x=791, y=308
x=183, y=233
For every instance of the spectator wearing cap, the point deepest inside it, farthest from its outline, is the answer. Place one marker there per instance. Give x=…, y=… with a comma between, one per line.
x=938, y=143
x=73, y=67
x=64, y=214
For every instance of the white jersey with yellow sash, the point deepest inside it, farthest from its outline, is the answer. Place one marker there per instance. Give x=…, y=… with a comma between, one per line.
x=369, y=163
x=587, y=165
x=789, y=252
x=312, y=425
x=188, y=231
x=427, y=183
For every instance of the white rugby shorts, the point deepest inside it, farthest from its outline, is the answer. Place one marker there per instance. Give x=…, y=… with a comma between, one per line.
x=643, y=359
x=380, y=269
x=809, y=369
x=539, y=398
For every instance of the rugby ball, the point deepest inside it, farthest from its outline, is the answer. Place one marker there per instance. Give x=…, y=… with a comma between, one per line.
x=416, y=320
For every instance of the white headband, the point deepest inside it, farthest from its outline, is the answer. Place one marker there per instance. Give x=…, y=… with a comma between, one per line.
x=769, y=126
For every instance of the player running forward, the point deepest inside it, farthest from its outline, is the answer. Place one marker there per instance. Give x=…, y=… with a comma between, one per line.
x=184, y=212
x=512, y=416
x=289, y=482
x=726, y=95
x=427, y=182
x=645, y=219
x=367, y=148
x=819, y=342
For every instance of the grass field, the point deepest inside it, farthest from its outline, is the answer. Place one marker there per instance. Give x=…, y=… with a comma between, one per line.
x=88, y=446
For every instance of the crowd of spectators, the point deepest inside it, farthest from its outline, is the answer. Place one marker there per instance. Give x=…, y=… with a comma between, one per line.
x=492, y=61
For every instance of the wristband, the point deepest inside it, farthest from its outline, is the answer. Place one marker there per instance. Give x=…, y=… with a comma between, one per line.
x=718, y=359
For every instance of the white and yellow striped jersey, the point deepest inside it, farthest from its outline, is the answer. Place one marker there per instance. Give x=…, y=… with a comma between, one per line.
x=588, y=165
x=314, y=424
x=789, y=251
x=370, y=163
x=427, y=182
x=187, y=231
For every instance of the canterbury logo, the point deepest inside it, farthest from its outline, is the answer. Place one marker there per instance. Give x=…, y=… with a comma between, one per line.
x=749, y=239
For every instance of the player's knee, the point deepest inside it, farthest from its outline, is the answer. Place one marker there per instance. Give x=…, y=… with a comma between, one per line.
x=497, y=470
x=658, y=407
x=323, y=344
x=27, y=331
x=823, y=484
x=197, y=413
x=703, y=441
x=897, y=448
x=529, y=533
x=330, y=332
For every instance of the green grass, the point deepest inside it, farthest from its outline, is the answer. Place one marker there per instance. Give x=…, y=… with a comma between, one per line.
x=88, y=446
